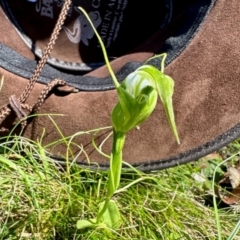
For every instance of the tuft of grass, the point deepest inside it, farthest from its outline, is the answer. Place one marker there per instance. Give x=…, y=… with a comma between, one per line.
x=40, y=200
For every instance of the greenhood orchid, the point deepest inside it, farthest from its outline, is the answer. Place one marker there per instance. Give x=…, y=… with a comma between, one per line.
x=137, y=98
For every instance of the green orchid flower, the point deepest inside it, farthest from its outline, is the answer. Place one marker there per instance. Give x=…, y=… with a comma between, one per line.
x=137, y=98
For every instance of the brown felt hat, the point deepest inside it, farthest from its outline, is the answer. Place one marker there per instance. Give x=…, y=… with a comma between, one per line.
x=201, y=38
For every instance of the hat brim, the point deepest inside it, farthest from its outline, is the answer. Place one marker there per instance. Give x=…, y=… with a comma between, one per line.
x=206, y=99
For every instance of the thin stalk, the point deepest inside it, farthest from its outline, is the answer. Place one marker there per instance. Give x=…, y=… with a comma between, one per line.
x=114, y=170
x=164, y=56
x=115, y=81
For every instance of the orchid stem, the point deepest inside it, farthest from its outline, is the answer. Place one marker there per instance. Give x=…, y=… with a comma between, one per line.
x=114, y=170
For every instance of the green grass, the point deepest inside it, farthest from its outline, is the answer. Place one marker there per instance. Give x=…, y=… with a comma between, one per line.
x=40, y=200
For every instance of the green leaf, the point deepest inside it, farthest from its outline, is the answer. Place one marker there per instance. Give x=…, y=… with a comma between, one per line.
x=81, y=224
x=111, y=217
